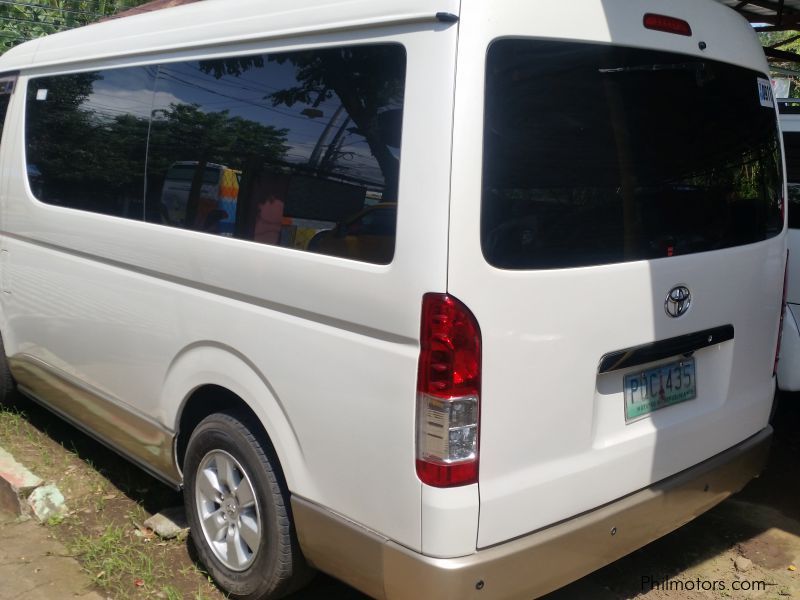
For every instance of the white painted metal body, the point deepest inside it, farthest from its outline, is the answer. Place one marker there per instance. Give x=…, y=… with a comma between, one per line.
x=553, y=440
x=324, y=350
x=789, y=363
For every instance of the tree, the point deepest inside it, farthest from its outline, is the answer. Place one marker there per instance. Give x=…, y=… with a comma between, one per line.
x=369, y=83
x=210, y=137
x=29, y=19
x=785, y=41
x=110, y=160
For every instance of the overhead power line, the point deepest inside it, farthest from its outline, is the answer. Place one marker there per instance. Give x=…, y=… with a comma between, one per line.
x=53, y=8
x=19, y=24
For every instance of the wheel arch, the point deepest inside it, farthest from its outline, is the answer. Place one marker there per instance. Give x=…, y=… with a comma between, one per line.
x=206, y=378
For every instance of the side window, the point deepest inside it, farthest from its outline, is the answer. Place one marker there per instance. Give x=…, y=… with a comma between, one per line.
x=791, y=148
x=86, y=138
x=278, y=148
x=6, y=88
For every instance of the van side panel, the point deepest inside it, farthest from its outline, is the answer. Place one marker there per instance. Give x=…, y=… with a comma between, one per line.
x=326, y=347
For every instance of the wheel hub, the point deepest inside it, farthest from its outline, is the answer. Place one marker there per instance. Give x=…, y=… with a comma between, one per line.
x=228, y=510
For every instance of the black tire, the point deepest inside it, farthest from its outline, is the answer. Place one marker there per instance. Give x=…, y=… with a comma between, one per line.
x=7, y=384
x=276, y=566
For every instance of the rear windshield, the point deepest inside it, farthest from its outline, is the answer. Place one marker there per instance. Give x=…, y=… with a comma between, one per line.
x=597, y=154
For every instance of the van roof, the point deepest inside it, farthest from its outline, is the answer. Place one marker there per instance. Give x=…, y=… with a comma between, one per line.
x=215, y=22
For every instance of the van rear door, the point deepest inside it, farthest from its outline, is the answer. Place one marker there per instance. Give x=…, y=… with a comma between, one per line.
x=616, y=229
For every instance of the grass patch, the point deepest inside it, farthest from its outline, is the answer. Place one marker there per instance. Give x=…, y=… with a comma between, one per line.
x=108, y=500
x=125, y=566
x=12, y=423
x=115, y=562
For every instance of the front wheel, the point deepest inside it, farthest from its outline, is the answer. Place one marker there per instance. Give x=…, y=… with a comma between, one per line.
x=238, y=510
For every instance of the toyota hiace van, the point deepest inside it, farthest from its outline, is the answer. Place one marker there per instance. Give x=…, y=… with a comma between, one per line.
x=564, y=348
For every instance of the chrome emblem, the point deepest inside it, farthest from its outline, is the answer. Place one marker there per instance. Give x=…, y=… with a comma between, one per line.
x=678, y=301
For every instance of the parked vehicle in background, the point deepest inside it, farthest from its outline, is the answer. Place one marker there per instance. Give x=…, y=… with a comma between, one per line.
x=371, y=232
x=789, y=360
x=204, y=201
x=557, y=344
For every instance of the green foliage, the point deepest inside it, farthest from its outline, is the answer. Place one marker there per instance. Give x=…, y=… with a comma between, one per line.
x=28, y=19
x=773, y=38
x=785, y=41
x=216, y=136
x=348, y=73
x=111, y=158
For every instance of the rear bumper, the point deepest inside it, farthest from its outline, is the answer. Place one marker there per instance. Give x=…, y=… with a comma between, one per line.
x=539, y=562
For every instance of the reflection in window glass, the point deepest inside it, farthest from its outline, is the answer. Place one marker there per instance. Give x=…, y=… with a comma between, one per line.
x=278, y=148
x=86, y=135
x=373, y=228
x=597, y=154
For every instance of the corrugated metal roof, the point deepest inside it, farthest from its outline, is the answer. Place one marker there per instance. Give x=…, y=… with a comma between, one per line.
x=776, y=14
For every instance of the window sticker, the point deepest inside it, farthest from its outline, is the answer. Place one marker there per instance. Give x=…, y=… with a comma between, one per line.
x=765, y=92
x=41, y=94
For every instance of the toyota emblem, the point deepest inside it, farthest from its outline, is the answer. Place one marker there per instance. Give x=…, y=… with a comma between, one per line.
x=678, y=301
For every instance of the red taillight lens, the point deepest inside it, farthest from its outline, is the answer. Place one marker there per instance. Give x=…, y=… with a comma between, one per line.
x=667, y=24
x=783, y=311
x=450, y=353
x=448, y=393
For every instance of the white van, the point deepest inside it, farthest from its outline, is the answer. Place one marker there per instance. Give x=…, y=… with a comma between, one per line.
x=567, y=351
x=789, y=362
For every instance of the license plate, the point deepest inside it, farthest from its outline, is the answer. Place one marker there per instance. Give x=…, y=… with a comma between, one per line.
x=659, y=387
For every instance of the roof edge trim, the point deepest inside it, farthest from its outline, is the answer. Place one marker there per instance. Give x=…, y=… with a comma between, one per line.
x=390, y=20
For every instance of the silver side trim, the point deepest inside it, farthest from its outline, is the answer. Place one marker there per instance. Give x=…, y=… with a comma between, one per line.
x=137, y=438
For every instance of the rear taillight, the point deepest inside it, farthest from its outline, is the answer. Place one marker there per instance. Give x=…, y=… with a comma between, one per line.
x=667, y=24
x=783, y=312
x=448, y=393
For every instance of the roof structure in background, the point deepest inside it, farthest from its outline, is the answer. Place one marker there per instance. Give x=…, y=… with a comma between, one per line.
x=771, y=15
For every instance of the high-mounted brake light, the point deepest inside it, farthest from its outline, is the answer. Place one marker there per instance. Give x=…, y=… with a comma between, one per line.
x=667, y=24
x=448, y=393
x=783, y=312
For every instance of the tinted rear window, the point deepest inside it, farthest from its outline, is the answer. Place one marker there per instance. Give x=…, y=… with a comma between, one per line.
x=599, y=154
